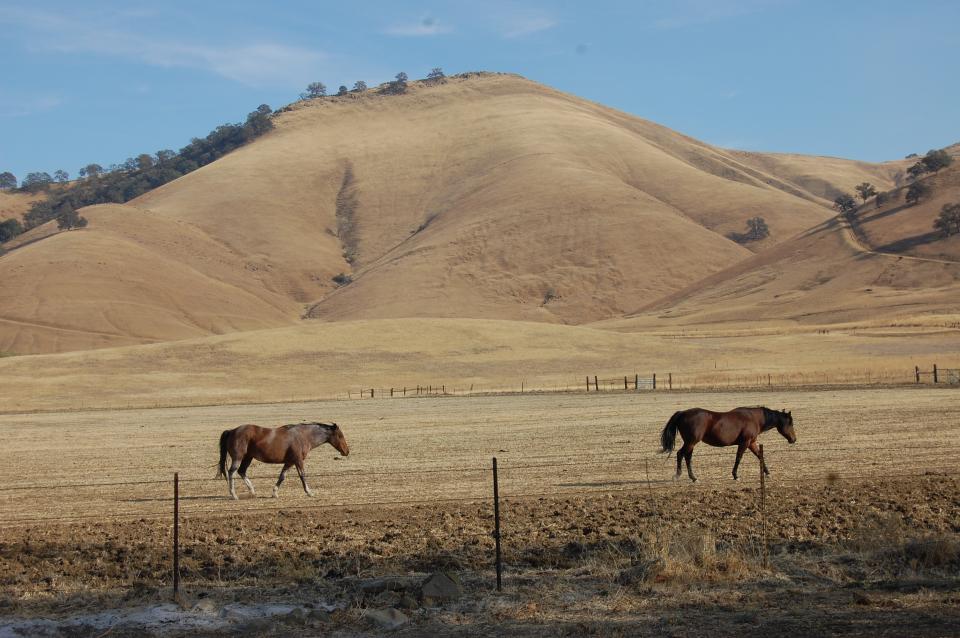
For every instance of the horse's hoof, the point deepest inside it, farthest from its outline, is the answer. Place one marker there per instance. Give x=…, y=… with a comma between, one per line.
x=736, y=478
x=235, y=497
x=310, y=494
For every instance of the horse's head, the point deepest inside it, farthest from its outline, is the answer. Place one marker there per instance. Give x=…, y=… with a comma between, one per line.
x=337, y=440
x=785, y=426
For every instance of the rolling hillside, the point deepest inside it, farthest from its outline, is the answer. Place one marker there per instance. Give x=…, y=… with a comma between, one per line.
x=893, y=269
x=488, y=196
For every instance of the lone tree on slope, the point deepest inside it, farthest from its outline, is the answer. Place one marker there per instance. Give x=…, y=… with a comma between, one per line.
x=916, y=192
x=844, y=203
x=866, y=191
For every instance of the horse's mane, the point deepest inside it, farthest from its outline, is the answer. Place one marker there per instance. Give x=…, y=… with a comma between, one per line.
x=771, y=418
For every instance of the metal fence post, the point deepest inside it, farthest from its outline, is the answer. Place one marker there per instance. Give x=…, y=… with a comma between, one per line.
x=176, y=536
x=496, y=525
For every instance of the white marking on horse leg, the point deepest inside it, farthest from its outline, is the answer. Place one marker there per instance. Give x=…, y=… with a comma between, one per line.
x=309, y=492
x=233, y=492
x=276, y=491
x=249, y=485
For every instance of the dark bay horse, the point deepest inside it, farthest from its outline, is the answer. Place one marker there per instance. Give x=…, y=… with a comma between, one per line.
x=287, y=444
x=739, y=427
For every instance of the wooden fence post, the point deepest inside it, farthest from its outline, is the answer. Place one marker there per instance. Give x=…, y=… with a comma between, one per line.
x=935, y=378
x=596, y=384
x=496, y=525
x=625, y=384
x=636, y=381
x=588, y=383
x=654, y=380
x=916, y=371
x=670, y=381
x=176, y=536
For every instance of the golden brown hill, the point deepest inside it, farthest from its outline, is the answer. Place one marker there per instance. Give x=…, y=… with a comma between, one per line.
x=484, y=197
x=893, y=270
x=13, y=204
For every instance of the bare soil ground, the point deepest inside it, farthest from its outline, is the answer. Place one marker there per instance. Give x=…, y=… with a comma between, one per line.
x=862, y=517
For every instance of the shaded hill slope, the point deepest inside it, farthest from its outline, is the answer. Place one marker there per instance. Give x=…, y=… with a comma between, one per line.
x=905, y=273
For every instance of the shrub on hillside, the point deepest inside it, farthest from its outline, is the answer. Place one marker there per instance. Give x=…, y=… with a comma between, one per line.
x=757, y=229
x=8, y=180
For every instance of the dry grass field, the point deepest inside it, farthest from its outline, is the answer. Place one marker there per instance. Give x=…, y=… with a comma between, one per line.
x=861, y=514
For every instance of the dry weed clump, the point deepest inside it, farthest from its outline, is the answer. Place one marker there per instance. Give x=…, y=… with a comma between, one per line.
x=887, y=544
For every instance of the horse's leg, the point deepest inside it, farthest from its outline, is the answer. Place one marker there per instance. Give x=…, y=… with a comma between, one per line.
x=230, y=473
x=688, y=452
x=679, y=464
x=303, y=477
x=276, y=488
x=247, y=460
x=756, y=451
x=741, y=448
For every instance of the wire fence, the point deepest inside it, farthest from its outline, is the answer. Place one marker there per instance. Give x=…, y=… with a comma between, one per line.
x=550, y=478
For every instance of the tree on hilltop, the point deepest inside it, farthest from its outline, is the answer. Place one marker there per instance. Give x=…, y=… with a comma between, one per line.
x=61, y=176
x=314, y=90
x=8, y=180
x=399, y=84
x=360, y=86
x=866, y=191
x=36, y=182
x=936, y=160
x=91, y=171
x=436, y=75
x=343, y=90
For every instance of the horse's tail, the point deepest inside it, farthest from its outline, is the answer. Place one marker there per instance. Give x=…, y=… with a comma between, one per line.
x=223, y=454
x=669, y=434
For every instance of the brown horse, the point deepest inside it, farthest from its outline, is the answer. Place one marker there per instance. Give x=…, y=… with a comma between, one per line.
x=739, y=427
x=287, y=444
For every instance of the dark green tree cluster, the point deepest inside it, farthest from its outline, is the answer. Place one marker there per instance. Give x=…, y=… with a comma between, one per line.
x=137, y=175
x=9, y=229
x=8, y=180
x=36, y=182
x=845, y=203
x=436, y=76
x=948, y=222
x=916, y=192
x=932, y=162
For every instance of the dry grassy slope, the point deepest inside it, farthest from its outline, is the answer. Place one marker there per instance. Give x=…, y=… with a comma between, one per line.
x=821, y=276
x=525, y=189
x=898, y=228
x=130, y=277
x=825, y=177
x=15, y=204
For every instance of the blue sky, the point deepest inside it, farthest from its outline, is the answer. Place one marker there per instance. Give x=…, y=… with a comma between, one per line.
x=101, y=81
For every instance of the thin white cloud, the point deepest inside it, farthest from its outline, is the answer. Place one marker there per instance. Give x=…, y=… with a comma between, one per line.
x=522, y=26
x=20, y=106
x=426, y=27
x=265, y=63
